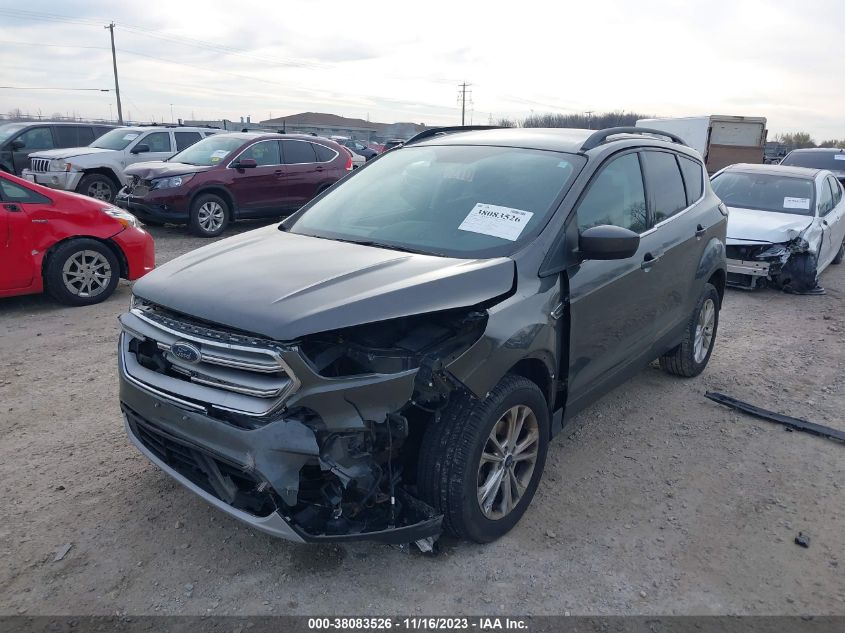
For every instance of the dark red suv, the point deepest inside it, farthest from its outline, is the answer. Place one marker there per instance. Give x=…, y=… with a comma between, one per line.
x=227, y=177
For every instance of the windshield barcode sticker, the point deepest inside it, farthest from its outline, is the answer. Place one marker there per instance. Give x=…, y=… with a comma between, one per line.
x=839, y=157
x=796, y=203
x=490, y=219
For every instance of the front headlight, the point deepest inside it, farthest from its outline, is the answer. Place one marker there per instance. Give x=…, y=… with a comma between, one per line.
x=171, y=182
x=60, y=165
x=124, y=217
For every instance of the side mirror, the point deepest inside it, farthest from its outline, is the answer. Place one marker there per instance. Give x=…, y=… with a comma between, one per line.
x=607, y=242
x=247, y=163
x=18, y=144
x=140, y=149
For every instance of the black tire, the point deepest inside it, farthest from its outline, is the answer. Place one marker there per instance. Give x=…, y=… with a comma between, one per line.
x=101, y=258
x=209, y=203
x=840, y=255
x=681, y=361
x=450, y=455
x=98, y=186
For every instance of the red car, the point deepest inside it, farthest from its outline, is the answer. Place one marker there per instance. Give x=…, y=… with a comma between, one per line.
x=74, y=247
x=232, y=176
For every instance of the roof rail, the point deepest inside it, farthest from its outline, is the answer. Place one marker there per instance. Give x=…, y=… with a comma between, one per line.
x=597, y=138
x=437, y=131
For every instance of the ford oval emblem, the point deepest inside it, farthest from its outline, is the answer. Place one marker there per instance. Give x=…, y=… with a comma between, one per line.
x=187, y=352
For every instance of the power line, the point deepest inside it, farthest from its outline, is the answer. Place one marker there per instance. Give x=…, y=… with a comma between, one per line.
x=49, y=88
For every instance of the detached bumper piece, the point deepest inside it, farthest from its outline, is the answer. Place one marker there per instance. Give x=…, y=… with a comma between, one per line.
x=790, y=267
x=324, y=511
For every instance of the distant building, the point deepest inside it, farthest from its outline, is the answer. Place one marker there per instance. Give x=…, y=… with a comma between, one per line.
x=324, y=124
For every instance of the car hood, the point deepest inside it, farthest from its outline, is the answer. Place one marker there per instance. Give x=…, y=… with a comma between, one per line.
x=68, y=152
x=751, y=225
x=160, y=169
x=284, y=286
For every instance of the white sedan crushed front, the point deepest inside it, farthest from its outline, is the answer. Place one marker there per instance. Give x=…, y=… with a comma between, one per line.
x=786, y=225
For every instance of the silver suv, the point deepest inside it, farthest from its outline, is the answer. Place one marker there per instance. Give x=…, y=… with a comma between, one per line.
x=97, y=170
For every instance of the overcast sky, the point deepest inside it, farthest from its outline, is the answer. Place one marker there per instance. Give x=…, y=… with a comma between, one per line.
x=402, y=61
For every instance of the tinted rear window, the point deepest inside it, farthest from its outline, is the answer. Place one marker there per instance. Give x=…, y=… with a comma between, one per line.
x=185, y=139
x=834, y=161
x=765, y=192
x=296, y=152
x=324, y=154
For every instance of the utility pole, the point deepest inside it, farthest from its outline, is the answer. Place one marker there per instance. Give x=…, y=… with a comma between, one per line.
x=110, y=27
x=462, y=95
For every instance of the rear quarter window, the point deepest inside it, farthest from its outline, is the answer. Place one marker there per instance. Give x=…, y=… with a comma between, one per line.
x=324, y=154
x=693, y=178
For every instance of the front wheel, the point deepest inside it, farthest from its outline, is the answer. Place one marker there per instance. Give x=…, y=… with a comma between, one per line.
x=210, y=215
x=82, y=272
x=480, y=463
x=97, y=186
x=690, y=357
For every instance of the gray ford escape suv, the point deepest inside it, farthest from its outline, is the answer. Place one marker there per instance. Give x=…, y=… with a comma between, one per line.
x=392, y=360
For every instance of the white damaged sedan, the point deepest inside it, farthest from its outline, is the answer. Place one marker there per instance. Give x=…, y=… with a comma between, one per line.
x=786, y=225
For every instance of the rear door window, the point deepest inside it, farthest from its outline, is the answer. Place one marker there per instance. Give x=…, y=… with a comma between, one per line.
x=693, y=178
x=616, y=196
x=67, y=136
x=86, y=135
x=157, y=142
x=666, y=194
x=185, y=139
x=298, y=152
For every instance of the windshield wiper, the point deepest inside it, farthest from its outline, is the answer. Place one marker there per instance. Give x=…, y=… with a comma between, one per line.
x=392, y=247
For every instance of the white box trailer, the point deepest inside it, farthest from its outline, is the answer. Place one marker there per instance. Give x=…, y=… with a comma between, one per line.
x=721, y=140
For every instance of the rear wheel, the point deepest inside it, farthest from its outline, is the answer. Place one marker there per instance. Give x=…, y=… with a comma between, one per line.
x=82, y=272
x=481, y=461
x=690, y=357
x=97, y=186
x=210, y=215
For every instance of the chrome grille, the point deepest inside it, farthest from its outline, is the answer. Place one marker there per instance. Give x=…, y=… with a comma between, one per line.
x=232, y=371
x=39, y=164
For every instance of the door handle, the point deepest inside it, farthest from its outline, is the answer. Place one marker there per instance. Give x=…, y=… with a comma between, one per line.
x=279, y=172
x=319, y=169
x=649, y=260
x=699, y=231
x=11, y=207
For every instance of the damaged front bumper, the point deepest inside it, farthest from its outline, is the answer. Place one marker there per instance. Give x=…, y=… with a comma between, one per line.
x=268, y=434
x=790, y=266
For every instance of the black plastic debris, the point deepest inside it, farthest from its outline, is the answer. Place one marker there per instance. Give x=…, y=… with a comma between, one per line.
x=802, y=539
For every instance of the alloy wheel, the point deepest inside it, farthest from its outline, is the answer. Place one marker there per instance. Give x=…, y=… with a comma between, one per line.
x=507, y=461
x=211, y=216
x=86, y=273
x=704, y=330
x=100, y=190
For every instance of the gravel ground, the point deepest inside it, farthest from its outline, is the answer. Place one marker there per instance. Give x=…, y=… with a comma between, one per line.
x=654, y=501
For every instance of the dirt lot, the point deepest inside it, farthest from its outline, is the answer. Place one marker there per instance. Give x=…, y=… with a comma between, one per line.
x=655, y=500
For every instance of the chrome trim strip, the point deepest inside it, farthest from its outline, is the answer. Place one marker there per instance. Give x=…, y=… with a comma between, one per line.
x=152, y=390
x=264, y=368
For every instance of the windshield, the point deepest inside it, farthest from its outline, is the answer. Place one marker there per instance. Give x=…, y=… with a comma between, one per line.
x=765, y=192
x=6, y=131
x=834, y=161
x=117, y=139
x=454, y=200
x=209, y=151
